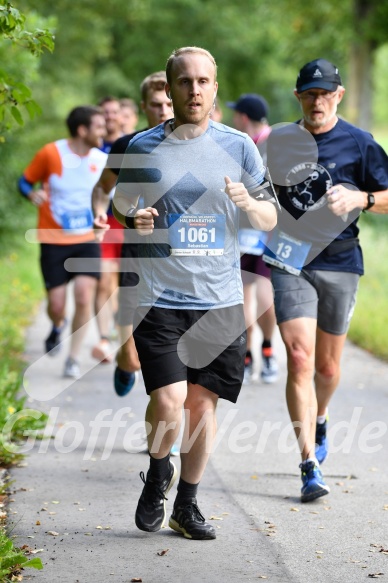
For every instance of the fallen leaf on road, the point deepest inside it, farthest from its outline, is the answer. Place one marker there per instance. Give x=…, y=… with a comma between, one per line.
x=254, y=477
x=162, y=553
x=55, y=502
x=37, y=523
x=216, y=518
x=375, y=575
x=294, y=509
x=136, y=580
x=52, y=532
x=262, y=576
x=36, y=551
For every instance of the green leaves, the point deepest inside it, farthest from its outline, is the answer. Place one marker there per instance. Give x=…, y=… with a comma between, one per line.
x=34, y=563
x=10, y=19
x=14, y=94
x=12, y=559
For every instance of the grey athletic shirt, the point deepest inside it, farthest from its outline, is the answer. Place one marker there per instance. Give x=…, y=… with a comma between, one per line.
x=192, y=260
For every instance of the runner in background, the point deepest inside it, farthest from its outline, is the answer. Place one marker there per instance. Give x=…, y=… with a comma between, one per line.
x=68, y=169
x=157, y=108
x=106, y=302
x=129, y=115
x=250, y=116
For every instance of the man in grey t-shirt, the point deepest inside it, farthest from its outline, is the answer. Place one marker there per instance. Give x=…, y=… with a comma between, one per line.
x=195, y=177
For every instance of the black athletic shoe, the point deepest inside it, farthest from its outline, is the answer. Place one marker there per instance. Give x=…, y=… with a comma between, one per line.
x=187, y=519
x=151, y=508
x=53, y=341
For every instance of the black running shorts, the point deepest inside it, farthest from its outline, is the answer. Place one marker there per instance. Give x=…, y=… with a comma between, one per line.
x=205, y=347
x=84, y=260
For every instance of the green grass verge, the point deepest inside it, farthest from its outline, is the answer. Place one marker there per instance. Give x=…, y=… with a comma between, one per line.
x=370, y=321
x=13, y=559
x=20, y=292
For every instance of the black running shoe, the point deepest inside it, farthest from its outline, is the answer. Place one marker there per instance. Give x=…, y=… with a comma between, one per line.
x=151, y=508
x=53, y=340
x=187, y=519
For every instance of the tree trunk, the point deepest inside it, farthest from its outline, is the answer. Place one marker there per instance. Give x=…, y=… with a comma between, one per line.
x=359, y=85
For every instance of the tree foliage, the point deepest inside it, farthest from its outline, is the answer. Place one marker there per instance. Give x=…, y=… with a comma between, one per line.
x=15, y=42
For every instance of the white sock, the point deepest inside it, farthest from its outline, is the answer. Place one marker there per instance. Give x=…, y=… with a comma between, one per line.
x=321, y=418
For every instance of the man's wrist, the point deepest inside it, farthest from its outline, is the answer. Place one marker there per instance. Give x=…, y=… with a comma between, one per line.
x=369, y=200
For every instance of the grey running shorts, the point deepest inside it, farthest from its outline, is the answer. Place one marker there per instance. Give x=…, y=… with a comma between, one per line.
x=205, y=347
x=327, y=296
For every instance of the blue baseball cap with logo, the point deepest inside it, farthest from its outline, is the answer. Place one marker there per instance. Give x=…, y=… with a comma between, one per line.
x=318, y=74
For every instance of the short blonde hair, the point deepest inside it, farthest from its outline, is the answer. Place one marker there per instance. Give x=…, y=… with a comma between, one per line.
x=188, y=50
x=154, y=82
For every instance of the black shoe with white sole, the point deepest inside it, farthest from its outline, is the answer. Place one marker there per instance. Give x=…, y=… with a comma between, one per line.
x=187, y=519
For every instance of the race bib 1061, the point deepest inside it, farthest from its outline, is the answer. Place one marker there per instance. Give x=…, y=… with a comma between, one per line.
x=196, y=234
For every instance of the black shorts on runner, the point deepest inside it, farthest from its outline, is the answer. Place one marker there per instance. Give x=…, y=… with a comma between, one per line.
x=205, y=347
x=81, y=255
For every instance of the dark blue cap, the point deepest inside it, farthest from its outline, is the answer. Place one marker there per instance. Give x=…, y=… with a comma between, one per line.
x=318, y=74
x=253, y=105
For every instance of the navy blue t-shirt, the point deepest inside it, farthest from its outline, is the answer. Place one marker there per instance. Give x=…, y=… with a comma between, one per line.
x=346, y=155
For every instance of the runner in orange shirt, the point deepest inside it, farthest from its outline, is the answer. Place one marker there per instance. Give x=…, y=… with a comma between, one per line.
x=66, y=171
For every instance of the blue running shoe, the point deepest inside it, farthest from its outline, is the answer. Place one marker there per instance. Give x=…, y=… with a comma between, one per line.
x=321, y=444
x=313, y=484
x=124, y=381
x=175, y=450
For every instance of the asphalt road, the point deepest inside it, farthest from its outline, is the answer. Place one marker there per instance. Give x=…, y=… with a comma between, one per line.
x=76, y=494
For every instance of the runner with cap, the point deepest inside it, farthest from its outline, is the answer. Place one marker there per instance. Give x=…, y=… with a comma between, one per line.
x=315, y=251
